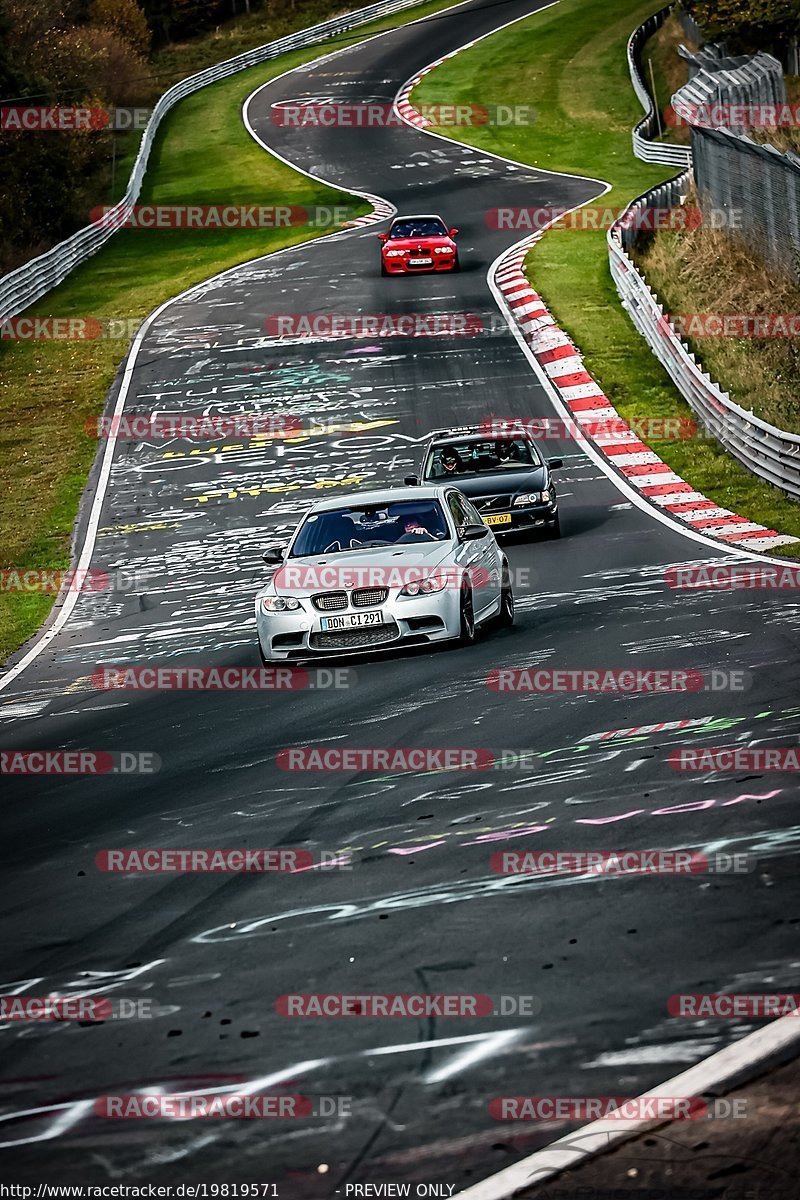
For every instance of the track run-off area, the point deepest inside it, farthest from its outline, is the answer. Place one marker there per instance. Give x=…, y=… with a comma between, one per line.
x=414, y=904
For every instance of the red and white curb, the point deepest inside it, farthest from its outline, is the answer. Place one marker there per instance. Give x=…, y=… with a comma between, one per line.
x=563, y=364
x=381, y=211
x=402, y=102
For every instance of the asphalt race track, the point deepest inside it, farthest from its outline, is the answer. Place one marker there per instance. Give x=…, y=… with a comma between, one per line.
x=420, y=910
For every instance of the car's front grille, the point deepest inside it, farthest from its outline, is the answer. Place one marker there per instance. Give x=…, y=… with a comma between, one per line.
x=330, y=601
x=353, y=639
x=368, y=597
x=490, y=503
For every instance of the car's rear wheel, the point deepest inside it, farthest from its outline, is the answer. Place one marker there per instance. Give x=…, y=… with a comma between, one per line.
x=467, y=632
x=505, y=618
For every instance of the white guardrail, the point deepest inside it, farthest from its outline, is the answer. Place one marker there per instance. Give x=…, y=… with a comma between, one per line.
x=769, y=452
x=34, y=279
x=643, y=131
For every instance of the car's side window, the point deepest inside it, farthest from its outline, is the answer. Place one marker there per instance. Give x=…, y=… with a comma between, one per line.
x=457, y=510
x=473, y=516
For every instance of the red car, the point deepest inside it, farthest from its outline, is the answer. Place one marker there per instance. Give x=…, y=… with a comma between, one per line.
x=418, y=244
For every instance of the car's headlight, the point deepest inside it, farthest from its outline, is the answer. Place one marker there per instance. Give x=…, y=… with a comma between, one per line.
x=394, y=253
x=533, y=498
x=273, y=604
x=443, y=250
x=424, y=587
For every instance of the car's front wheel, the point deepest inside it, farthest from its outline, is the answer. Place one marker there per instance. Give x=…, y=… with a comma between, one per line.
x=554, y=530
x=456, y=264
x=467, y=632
x=383, y=268
x=505, y=618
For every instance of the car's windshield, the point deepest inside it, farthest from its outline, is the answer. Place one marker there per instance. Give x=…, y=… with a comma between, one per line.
x=419, y=227
x=343, y=529
x=474, y=457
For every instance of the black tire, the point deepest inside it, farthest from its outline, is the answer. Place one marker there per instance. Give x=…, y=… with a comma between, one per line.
x=456, y=265
x=264, y=661
x=554, y=530
x=467, y=630
x=505, y=618
x=383, y=268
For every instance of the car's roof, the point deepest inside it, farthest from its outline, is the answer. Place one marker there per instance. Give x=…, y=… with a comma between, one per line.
x=445, y=439
x=425, y=491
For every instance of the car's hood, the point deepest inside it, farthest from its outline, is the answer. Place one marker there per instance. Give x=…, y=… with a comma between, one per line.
x=412, y=243
x=532, y=479
x=356, y=568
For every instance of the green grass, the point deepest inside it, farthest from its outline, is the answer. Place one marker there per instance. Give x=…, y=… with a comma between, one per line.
x=48, y=389
x=571, y=65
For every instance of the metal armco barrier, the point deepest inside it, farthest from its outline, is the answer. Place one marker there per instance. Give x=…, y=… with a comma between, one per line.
x=769, y=452
x=28, y=283
x=647, y=128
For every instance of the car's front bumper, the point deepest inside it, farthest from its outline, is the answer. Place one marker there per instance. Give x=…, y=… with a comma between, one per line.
x=412, y=620
x=535, y=516
x=397, y=266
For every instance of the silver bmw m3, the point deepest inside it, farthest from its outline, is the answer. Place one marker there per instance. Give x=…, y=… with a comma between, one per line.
x=370, y=570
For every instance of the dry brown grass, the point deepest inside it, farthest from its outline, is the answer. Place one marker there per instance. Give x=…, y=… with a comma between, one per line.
x=787, y=138
x=669, y=70
x=707, y=271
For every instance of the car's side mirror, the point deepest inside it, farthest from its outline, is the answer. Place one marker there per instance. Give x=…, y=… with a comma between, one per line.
x=555, y=463
x=471, y=533
x=411, y=480
x=453, y=232
x=383, y=237
x=274, y=555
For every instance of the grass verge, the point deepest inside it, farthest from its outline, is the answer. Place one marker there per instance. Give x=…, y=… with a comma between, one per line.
x=48, y=389
x=573, y=68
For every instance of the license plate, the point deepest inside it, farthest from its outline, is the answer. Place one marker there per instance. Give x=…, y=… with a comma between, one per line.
x=351, y=620
x=498, y=519
x=420, y=262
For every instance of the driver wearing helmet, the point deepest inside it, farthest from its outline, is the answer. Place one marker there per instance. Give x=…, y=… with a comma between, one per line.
x=450, y=460
x=507, y=451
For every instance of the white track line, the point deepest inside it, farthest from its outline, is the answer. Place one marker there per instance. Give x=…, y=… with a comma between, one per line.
x=713, y=1073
